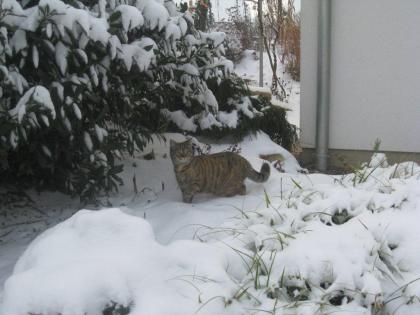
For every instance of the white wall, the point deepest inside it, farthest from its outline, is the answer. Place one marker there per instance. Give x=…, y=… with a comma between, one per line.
x=375, y=74
x=309, y=33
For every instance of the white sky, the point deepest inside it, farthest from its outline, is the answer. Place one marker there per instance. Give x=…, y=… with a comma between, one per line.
x=220, y=6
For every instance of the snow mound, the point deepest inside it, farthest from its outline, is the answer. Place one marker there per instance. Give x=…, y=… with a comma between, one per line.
x=378, y=160
x=99, y=258
x=251, y=147
x=261, y=144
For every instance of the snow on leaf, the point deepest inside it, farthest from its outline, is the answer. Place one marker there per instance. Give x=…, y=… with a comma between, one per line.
x=35, y=56
x=245, y=106
x=94, y=75
x=23, y=133
x=134, y=52
x=228, y=67
x=172, y=9
x=61, y=53
x=83, y=41
x=146, y=43
x=13, y=139
x=190, y=40
x=101, y=158
x=75, y=79
x=49, y=45
x=48, y=30
x=216, y=38
x=172, y=32
x=183, y=26
x=83, y=56
x=67, y=15
x=77, y=111
x=99, y=30
x=131, y=17
x=33, y=121
x=102, y=8
x=3, y=35
x=187, y=16
x=31, y=21
x=67, y=124
x=88, y=141
x=37, y=94
x=114, y=44
x=45, y=120
x=189, y=69
x=104, y=79
x=210, y=99
x=46, y=151
x=18, y=41
x=126, y=54
x=155, y=15
x=18, y=14
x=68, y=100
x=61, y=30
x=208, y=121
x=18, y=81
x=180, y=119
x=112, y=4
x=228, y=119
x=140, y=4
x=4, y=70
x=99, y=133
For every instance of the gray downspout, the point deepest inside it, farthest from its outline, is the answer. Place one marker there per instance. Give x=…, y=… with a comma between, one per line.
x=323, y=85
x=261, y=44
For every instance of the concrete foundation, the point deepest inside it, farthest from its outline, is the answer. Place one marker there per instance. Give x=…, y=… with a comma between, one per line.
x=340, y=161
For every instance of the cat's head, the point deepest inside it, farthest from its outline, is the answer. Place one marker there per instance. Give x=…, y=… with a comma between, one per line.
x=181, y=152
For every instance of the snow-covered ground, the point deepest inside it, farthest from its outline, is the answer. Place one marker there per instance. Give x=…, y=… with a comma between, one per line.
x=297, y=244
x=248, y=68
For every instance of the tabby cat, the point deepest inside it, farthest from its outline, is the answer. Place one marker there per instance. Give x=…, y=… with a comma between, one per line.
x=222, y=174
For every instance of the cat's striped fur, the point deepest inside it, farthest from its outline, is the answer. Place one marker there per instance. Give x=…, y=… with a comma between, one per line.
x=222, y=174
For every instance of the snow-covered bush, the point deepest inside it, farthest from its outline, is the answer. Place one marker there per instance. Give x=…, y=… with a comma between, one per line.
x=234, y=48
x=82, y=82
x=242, y=114
x=67, y=109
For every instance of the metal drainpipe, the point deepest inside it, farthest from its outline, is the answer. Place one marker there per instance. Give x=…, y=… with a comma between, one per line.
x=323, y=85
x=261, y=45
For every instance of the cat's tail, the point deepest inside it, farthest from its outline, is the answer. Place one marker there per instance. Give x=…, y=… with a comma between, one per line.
x=259, y=177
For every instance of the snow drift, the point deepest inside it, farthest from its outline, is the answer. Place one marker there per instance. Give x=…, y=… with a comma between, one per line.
x=98, y=257
x=298, y=244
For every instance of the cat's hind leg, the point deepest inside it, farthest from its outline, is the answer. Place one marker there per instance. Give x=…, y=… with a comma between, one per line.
x=242, y=190
x=233, y=191
x=227, y=193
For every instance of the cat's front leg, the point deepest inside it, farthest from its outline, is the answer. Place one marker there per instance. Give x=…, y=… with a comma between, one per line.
x=187, y=197
x=188, y=192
